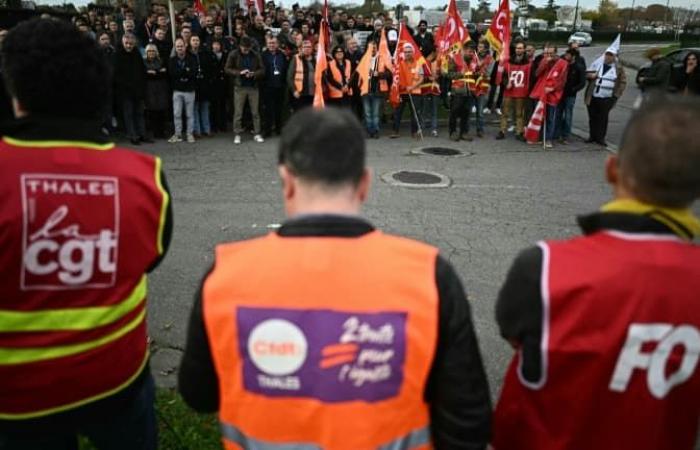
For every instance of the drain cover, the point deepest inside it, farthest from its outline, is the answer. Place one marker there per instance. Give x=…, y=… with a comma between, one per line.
x=416, y=179
x=441, y=151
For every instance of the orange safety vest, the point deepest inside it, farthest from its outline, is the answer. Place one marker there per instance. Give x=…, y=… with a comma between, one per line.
x=315, y=348
x=342, y=78
x=299, y=75
x=408, y=76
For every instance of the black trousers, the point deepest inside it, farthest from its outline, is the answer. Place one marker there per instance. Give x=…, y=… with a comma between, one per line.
x=273, y=100
x=155, y=123
x=598, y=111
x=219, y=118
x=302, y=102
x=492, y=94
x=459, y=110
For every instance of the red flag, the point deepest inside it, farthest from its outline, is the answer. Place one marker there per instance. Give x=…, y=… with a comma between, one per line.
x=321, y=65
x=404, y=39
x=532, y=132
x=451, y=35
x=498, y=36
x=199, y=7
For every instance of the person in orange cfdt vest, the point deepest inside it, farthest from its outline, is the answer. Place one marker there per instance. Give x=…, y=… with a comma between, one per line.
x=81, y=223
x=337, y=79
x=329, y=333
x=606, y=326
x=300, y=77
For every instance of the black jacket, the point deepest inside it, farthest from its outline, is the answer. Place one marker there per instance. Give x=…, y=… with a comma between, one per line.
x=658, y=76
x=183, y=73
x=129, y=74
x=204, y=75
x=457, y=389
x=691, y=81
x=575, y=79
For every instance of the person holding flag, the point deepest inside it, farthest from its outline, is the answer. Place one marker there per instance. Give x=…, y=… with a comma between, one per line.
x=410, y=77
x=337, y=79
x=549, y=88
x=484, y=62
x=373, y=82
x=462, y=71
x=606, y=83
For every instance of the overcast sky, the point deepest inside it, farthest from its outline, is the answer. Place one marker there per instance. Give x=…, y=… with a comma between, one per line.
x=588, y=4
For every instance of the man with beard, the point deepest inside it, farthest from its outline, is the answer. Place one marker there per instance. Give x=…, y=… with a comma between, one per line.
x=516, y=76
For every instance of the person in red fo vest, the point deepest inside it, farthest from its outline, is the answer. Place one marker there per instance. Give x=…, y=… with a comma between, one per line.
x=607, y=325
x=81, y=223
x=549, y=88
x=516, y=74
x=329, y=333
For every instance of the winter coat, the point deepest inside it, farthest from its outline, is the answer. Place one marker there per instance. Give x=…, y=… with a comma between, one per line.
x=129, y=75
x=657, y=78
x=157, y=87
x=182, y=76
x=233, y=67
x=204, y=74
x=575, y=79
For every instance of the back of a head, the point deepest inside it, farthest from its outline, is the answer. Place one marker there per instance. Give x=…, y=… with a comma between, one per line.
x=660, y=152
x=324, y=146
x=54, y=70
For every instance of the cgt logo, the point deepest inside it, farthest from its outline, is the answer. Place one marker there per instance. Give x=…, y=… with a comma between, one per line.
x=277, y=347
x=71, y=229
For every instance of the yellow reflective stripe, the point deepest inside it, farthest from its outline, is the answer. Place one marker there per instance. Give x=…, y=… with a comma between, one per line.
x=82, y=402
x=163, y=206
x=49, y=144
x=12, y=356
x=72, y=318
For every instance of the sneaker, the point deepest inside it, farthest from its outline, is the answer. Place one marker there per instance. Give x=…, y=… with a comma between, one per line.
x=466, y=137
x=498, y=111
x=480, y=134
x=190, y=139
x=434, y=133
x=500, y=136
x=473, y=109
x=454, y=137
x=237, y=139
x=511, y=128
x=175, y=139
x=486, y=111
x=548, y=144
x=259, y=139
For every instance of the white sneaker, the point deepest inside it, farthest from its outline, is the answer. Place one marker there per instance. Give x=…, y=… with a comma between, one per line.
x=190, y=139
x=511, y=128
x=473, y=109
x=237, y=139
x=435, y=133
x=175, y=138
x=259, y=139
x=498, y=111
x=486, y=111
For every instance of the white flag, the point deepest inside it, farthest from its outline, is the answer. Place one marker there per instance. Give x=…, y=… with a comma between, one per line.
x=614, y=49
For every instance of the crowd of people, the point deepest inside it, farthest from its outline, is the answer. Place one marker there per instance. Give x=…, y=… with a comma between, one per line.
x=263, y=71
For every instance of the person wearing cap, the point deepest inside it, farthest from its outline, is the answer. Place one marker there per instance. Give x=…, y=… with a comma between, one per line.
x=657, y=78
x=606, y=325
x=300, y=341
x=606, y=83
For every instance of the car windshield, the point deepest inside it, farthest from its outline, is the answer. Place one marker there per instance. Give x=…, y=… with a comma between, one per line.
x=583, y=35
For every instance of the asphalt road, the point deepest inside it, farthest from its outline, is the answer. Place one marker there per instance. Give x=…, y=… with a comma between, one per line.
x=620, y=115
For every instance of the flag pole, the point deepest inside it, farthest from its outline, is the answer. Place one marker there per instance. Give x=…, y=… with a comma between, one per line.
x=171, y=9
x=415, y=115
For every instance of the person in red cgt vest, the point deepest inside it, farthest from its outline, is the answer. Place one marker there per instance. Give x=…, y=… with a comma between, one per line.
x=551, y=79
x=81, y=222
x=607, y=325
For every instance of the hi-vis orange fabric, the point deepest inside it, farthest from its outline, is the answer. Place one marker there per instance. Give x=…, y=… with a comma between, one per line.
x=321, y=65
x=340, y=77
x=365, y=67
x=316, y=348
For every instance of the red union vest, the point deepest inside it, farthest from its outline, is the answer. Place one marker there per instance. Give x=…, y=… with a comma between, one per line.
x=620, y=349
x=519, y=79
x=80, y=223
x=317, y=346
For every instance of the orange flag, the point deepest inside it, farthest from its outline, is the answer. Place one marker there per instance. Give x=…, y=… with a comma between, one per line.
x=321, y=65
x=385, y=62
x=363, y=69
x=405, y=38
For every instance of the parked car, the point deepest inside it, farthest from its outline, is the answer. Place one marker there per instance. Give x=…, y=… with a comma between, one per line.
x=676, y=58
x=584, y=39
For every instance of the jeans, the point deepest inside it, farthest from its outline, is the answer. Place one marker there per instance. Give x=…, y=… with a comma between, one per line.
x=415, y=103
x=371, y=104
x=551, y=122
x=242, y=95
x=134, y=428
x=479, y=102
x=429, y=112
x=565, y=117
x=201, y=117
x=133, y=118
x=183, y=100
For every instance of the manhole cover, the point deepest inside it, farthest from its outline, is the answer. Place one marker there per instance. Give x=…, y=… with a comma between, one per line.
x=416, y=179
x=441, y=151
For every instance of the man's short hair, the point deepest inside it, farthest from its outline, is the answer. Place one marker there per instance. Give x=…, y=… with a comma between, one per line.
x=325, y=146
x=246, y=42
x=573, y=52
x=423, y=22
x=55, y=70
x=660, y=152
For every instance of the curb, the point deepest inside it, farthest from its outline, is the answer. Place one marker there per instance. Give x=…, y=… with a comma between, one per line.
x=580, y=133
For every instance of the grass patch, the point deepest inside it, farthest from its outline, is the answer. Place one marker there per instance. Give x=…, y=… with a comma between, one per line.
x=180, y=428
x=669, y=48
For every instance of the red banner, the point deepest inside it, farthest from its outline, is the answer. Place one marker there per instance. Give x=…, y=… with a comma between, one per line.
x=451, y=35
x=498, y=36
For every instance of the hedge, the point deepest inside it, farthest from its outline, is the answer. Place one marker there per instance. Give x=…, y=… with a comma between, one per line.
x=600, y=37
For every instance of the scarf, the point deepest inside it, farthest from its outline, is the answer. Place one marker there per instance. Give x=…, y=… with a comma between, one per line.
x=681, y=220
